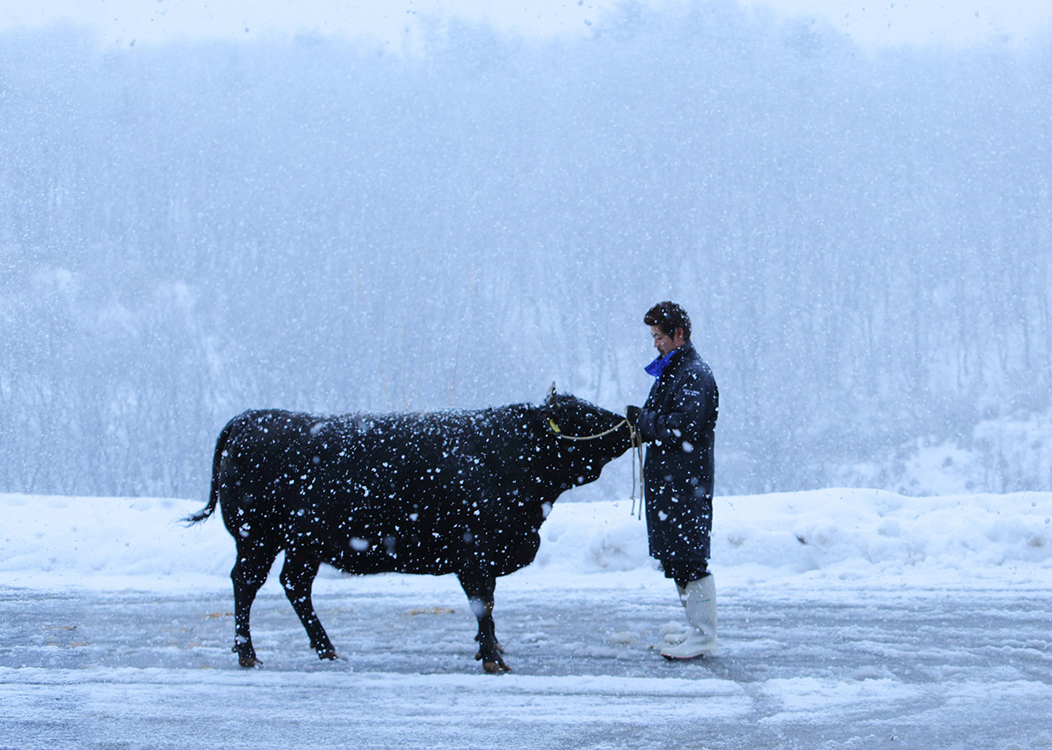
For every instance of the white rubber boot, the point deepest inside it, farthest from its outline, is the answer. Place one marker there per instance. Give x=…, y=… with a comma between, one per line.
x=699, y=600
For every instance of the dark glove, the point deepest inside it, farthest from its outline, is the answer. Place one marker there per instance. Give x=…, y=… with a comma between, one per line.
x=632, y=415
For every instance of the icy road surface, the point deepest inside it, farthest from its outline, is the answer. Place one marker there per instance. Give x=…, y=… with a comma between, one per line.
x=886, y=669
x=849, y=619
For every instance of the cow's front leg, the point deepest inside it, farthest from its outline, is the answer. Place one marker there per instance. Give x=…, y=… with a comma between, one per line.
x=479, y=588
x=297, y=577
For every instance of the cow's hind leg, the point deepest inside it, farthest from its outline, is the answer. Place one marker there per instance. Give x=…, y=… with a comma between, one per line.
x=479, y=589
x=249, y=573
x=297, y=576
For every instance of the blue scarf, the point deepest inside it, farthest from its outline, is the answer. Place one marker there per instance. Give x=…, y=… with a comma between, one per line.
x=657, y=367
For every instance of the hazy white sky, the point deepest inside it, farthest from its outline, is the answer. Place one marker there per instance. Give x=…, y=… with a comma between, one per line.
x=871, y=22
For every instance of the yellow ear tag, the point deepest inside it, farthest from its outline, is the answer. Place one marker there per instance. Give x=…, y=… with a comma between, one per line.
x=555, y=427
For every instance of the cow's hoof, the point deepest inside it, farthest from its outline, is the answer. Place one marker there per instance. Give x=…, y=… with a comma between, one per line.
x=493, y=666
x=329, y=653
x=246, y=657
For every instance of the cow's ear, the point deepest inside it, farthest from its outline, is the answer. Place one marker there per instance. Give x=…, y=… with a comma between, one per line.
x=552, y=398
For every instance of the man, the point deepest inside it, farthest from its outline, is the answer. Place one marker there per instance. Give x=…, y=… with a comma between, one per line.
x=678, y=422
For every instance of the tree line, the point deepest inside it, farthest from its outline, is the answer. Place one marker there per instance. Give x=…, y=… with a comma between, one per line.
x=189, y=230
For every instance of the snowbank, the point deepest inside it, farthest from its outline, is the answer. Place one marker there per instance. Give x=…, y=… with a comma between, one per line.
x=849, y=537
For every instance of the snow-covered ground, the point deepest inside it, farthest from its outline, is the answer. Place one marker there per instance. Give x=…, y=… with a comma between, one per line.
x=849, y=618
x=821, y=540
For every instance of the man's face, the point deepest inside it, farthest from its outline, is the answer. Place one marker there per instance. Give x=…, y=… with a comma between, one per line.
x=665, y=343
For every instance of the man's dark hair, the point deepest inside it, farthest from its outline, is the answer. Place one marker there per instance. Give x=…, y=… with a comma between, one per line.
x=668, y=316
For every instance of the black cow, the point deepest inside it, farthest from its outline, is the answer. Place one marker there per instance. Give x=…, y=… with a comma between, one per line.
x=461, y=492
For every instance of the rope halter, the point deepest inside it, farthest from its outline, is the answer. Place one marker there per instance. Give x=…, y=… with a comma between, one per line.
x=637, y=446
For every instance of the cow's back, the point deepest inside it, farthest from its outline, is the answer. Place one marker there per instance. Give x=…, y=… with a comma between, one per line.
x=408, y=492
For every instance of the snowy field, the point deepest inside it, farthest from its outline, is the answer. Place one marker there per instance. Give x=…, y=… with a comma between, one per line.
x=848, y=619
x=822, y=540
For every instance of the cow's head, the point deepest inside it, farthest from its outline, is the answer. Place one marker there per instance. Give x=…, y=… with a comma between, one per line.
x=572, y=418
x=583, y=437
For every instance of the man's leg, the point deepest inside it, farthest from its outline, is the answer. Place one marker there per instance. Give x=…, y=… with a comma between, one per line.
x=698, y=596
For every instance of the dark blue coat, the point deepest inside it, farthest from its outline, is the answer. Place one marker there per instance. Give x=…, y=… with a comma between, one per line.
x=679, y=422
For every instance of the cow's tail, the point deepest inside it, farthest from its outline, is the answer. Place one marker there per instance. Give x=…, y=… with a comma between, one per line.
x=217, y=460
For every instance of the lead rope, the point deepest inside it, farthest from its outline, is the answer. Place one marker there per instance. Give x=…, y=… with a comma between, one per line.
x=637, y=458
x=637, y=449
x=559, y=433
